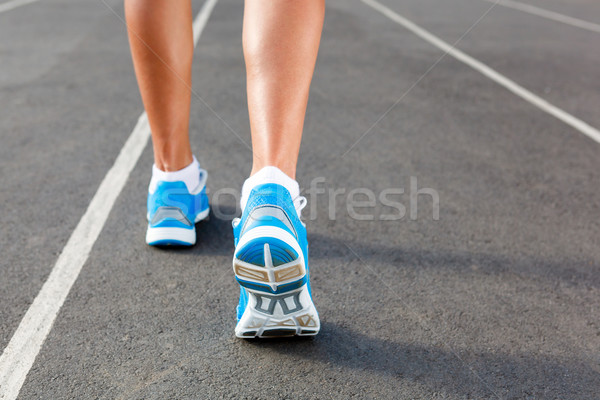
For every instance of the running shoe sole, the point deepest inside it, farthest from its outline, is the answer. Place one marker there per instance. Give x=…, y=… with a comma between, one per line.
x=268, y=263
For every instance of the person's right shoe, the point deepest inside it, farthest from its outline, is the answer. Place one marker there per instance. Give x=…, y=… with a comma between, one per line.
x=271, y=265
x=173, y=212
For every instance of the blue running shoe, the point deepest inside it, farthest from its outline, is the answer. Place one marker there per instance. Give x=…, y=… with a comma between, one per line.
x=271, y=265
x=173, y=211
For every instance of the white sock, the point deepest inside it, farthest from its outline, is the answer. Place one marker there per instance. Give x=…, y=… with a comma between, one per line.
x=189, y=175
x=269, y=175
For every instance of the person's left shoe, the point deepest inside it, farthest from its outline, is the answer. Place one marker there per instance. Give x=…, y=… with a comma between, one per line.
x=271, y=265
x=173, y=211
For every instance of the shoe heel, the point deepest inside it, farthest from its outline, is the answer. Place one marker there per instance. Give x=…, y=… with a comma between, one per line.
x=269, y=265
x=170, y=236
x=288, y=314
x=273, y=273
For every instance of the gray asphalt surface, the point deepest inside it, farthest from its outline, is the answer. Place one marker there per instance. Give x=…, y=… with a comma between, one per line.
x=499, y=298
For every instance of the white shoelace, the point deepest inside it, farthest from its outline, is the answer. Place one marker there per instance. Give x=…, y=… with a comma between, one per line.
x=299, y=203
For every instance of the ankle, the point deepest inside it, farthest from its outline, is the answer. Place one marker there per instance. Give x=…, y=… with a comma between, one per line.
x=287, y=167
x=189, y=174
x=269, y=174
x=173, y=164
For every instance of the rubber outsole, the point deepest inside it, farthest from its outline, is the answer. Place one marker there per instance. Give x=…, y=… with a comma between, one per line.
x=266, y=316
x=273, y=273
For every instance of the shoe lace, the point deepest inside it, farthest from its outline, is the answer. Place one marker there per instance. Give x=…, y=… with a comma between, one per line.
x=299, y=203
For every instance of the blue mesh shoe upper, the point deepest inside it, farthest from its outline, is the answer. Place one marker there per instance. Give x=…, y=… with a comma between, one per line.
x=172, y=205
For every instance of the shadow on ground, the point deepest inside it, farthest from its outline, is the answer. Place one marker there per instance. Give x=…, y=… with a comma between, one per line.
x=468, y=374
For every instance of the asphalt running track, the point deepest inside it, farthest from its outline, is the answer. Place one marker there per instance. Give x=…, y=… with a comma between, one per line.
x=494, y=106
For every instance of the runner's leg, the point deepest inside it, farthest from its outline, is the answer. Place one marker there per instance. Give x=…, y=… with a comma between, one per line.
x=281, y=41
x=160, y=34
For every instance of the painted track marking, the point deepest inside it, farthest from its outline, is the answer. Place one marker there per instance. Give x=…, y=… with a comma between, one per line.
x=492, y=74
x=554, y=16
x=11, y=5
x=20, y=353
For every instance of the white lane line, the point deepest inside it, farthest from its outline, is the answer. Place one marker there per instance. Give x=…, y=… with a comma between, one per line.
x=24, y=346
x=540, y=12
x=201, y=19
x=11, y=5
x=500, y=79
